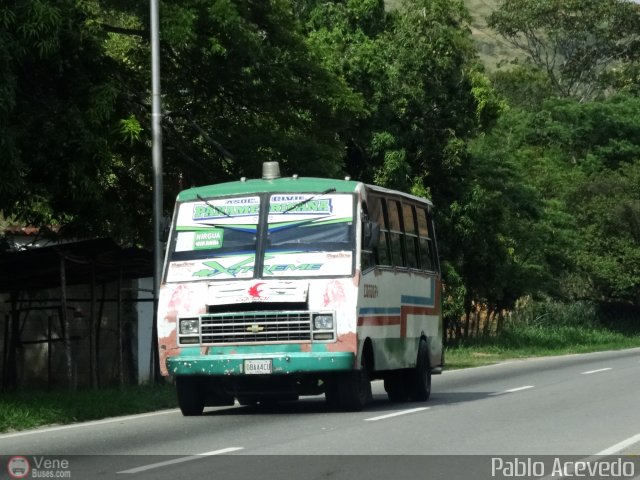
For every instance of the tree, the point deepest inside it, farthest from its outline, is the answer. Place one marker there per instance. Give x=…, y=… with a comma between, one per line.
x=582, y=161
x=59, y=112
x=523, y=86
x=241, y=85
x=350, y=35
x=578, y=44
x=608, y=207
x=245, y=87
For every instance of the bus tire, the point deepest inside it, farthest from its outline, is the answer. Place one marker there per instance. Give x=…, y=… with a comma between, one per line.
x=395, y=384
x=191, y=395
x=421, y=375
x=332, y=393
x=354, y=390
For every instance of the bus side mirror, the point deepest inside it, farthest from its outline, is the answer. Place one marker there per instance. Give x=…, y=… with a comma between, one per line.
x=371, y=234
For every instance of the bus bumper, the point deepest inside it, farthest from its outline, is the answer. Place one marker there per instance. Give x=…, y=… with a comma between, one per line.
x=281, y=363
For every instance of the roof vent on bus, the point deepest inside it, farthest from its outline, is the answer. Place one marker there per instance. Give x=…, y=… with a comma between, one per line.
x=270, y=170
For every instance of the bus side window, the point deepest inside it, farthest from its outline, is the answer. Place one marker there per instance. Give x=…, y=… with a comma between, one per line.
x=395, y=234
x=368, y=253
x=378, y=215
x=434, y=244
x=410, y=235
x=426, y=245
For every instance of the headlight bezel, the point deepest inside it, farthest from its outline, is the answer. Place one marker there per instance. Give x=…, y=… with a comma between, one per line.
x=323, y=322
x=189, y=326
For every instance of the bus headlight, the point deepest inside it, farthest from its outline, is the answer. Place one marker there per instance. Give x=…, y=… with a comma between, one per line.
x=189, y=326
x=323, y=322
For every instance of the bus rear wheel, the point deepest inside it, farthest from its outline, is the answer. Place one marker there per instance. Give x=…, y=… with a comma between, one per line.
x=420, y=383
x=191, y=395
x=395, y=384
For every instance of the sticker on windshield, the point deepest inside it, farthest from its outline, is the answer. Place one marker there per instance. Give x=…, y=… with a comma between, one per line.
x=208, y=239
x=199, y=240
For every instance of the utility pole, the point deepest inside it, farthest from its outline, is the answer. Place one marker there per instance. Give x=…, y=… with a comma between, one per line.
x=156, y=149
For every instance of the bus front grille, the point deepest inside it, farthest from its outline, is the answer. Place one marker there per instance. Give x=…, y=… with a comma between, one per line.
x=255, y=327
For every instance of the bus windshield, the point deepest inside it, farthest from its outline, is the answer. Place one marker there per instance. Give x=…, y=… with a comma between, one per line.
x=310, y=224
x=226, y=238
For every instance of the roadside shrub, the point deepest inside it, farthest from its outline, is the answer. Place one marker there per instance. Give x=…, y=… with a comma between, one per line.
x=551, y=313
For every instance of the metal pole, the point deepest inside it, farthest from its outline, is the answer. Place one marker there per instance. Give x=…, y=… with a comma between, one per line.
x=156, y=132
x=64, y=320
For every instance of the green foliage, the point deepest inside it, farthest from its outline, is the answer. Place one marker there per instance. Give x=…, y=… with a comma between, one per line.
x=536, y=341
x=244, y=87
x=581, y=160
x=130, y=128
x=545, y=327
x=241, y=85
x=550, y=313
x=576, y=45
x=453, y=295
x=608, y=209
x=59, y=105
x=523, y=86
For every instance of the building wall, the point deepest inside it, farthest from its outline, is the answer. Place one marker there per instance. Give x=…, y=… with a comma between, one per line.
x=39, y=308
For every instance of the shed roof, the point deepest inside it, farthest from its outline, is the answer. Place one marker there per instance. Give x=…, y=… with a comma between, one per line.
x=39, y=268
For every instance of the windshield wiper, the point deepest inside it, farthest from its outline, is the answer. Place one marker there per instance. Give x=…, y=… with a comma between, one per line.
x=219, y=210
x=299, y=204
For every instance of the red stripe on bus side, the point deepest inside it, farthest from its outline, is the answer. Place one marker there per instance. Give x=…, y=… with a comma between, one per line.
x=413, y=310
x=385, y=320
x=379, y=320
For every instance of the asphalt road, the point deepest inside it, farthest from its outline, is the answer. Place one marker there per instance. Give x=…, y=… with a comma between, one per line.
x=577, y=406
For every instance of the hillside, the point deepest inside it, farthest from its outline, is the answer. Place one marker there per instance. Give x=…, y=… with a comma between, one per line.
x=491, y=48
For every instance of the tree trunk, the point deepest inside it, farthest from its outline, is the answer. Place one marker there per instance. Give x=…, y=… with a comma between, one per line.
x=487, y=324
x=467, y=313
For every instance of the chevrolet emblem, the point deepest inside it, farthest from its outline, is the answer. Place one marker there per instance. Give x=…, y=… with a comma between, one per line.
x=255, y=328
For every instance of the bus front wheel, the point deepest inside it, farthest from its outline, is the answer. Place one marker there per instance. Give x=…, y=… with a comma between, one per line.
x=349, y=392
x=191, y=395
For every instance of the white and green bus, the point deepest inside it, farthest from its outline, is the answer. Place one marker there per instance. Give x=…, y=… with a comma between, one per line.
x=279, y=287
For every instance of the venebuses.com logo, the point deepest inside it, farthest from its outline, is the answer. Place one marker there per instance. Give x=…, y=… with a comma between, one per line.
x=18, y=467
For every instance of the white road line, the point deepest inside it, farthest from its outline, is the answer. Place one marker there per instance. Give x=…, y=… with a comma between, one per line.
x=618, y=447
x=512, y=390
x=199, y=456
x=395, y=414
x=87, y=424
x=596, y=371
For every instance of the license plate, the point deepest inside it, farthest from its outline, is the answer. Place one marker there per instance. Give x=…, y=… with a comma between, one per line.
x=257, y=367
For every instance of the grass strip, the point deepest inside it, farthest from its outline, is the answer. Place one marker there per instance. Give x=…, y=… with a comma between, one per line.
x=526, y=341
x=27, y=409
